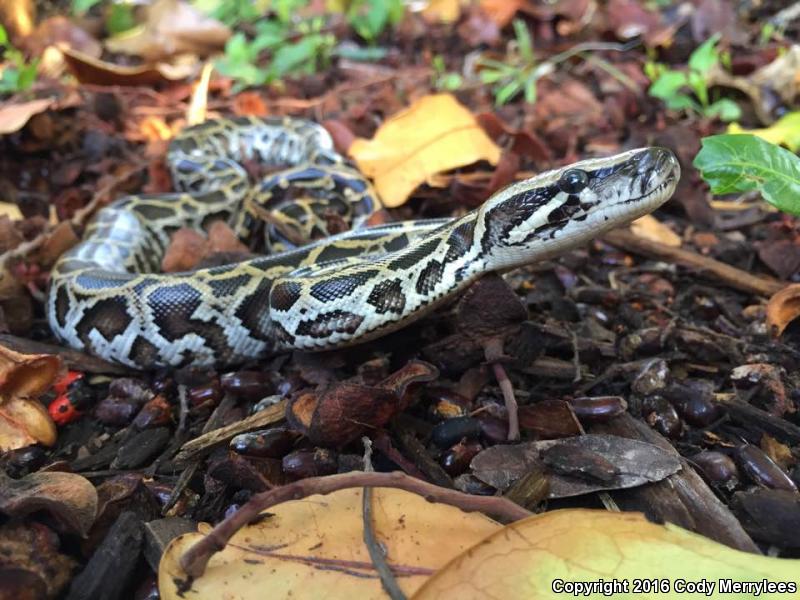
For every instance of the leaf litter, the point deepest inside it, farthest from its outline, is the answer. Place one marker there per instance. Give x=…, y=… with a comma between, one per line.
x=615, y=355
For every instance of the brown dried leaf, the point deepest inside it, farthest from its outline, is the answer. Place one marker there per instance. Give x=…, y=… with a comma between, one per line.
x=23, y=420
x=652, y=229
x=14, y=116
x=501, y=11
x=26, y=375
x=345, y=410
x=783, y=308
x=172, y=27
x=88, y=69
x=32, y=566
x=186, y=249
x=69, y=498
x=632, y=463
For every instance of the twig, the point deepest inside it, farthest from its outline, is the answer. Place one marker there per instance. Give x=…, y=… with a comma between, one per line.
x=195, y=559
x=375, y=550
x=510, y=400
x=736, y=278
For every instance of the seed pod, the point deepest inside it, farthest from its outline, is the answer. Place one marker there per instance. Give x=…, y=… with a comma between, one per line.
x=456, y=459
x=762, y=470
x=310, y=463
x=598, y=408
x=717, y=467
x=449, y=432
x=267, y=443
x=248, y=385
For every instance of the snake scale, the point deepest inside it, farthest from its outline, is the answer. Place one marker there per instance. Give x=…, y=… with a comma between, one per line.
x=107, y=298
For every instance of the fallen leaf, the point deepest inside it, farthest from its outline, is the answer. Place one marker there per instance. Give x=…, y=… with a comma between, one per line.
x=18, y=17
x=314, y=548
x=32, y=565
x=501, y=11
x=652, y=229
x=434, y=134
x=172, y=27
x=530, y=558
x=442, y=11
x=14, y=116
x=88, y=69
x=71, y=499
x=345, y=410
x=635, y=463
x=10, y=210
x=23, y=419
x=785, y=131
x=196, y=113
x=777, y=78
x=783, y=308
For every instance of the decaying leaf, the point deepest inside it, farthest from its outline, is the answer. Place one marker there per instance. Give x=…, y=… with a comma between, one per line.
x=442, y=11
x=341, y=413
x=32, y=565
x=313, y=548
x=69, y=498
x=529, y=558
x=785, y=131
x=434, y=134
x=652, y=229
x=630, y=462
x=501, y=11
x=88, y=69
x=14, y=116
x=172, y=27
x=778, y=77
x=23, y=419
x=783, y=308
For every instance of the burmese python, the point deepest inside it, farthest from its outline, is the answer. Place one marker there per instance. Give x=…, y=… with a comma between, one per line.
x=107, y=298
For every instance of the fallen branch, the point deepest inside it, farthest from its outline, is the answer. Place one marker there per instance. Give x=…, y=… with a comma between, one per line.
x=195, y=559
x=736, y=278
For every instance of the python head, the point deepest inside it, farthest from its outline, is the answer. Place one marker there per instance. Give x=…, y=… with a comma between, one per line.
x=564, y=208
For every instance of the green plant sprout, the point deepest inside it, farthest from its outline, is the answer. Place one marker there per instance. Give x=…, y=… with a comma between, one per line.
x=689, y=90
x=444, y=79
x=521, y=72
x=17, y=74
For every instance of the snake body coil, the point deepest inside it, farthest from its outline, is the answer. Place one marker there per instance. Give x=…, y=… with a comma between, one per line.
x=106, y=298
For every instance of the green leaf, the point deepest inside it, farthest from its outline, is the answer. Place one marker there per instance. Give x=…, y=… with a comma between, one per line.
x=79, y=7
x=726, y=109
x=698, y=84
x=667, y=84
x=3, y=36
x=120, y=18
x=736, y=163
x=26, y=76
x=361, y=53
x=682, y=102
x=506, y=92
x=530, y=90
x=524, y=41
x=490, y=76
x=705, y=56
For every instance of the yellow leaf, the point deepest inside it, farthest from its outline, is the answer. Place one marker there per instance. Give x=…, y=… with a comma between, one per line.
x=529, y=558
x=313, y=548
x=434, y=134
x=652, y=229
x=785, y=131
x=442, y=11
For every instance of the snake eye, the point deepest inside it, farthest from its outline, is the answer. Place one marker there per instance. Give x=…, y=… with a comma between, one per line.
x=573, y=181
